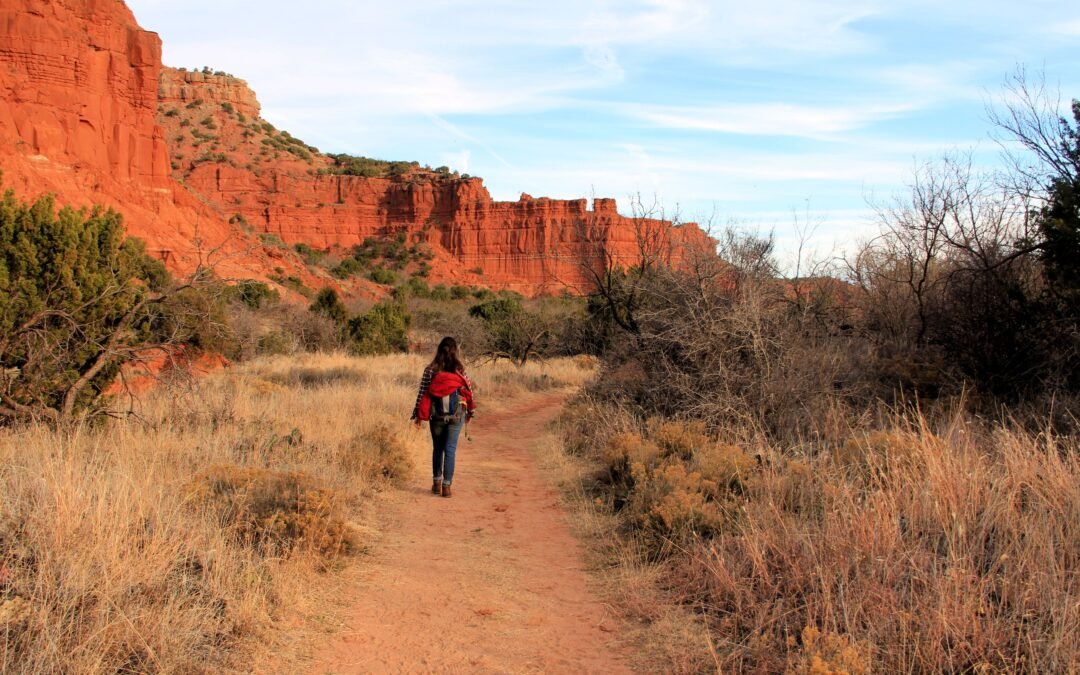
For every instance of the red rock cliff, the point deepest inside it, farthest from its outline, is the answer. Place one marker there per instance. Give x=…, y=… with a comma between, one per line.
x=79, y=89
x=281, y=186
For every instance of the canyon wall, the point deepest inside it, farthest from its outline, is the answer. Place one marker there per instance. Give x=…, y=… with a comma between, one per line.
x=279, y=185
x=79, y=86
x=89, y=113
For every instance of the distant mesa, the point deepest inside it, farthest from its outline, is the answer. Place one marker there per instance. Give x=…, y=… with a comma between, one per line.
x=91, y=114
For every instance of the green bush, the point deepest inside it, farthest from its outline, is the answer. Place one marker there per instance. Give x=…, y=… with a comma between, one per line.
x=514, y=332
x=349, y=267
x=312, y=256
x=293, y=283
x=255, y=294
x=197, y=317
x=383, y=329
x=328, y=304
x=73, y=289
x=381, y=275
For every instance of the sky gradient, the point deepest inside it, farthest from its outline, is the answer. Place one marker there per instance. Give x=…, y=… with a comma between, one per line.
x=746, y=112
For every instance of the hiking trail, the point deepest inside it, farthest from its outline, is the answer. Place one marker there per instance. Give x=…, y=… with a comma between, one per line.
x=490, y=580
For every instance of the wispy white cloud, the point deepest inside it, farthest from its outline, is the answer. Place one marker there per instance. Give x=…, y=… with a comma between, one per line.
x=769, y=119
x=457, y=131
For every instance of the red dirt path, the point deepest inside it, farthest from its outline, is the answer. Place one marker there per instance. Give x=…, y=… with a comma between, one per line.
x=488, y=581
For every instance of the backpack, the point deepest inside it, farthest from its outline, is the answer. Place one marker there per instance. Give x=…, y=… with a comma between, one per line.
x=447, y=409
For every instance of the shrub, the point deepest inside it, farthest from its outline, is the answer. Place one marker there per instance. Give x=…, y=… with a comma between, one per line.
x=514, y=332
x=73, y=293
x=383, y=276
x=440, y=292
x=197, y=317
x=228, y=107
x=728, y=466
x=824, y=654
x=255, y=294
x=684, y=440
x=312, y=256
x=378, y=453
x=271, y=239
x=275, y=343
x=415, y=287
x=274, y=512
x=671, y=505
x=622, y=453
x=293, y=283
x=329, y=305
x=383, y=329
x=349, y=267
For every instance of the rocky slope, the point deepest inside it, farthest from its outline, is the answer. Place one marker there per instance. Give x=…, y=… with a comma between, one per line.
x=91, y=115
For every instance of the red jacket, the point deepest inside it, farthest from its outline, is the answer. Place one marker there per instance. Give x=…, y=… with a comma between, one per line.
x=444, y=384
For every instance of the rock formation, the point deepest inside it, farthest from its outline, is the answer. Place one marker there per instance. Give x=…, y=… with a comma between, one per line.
x=91, y=114
x=79, y=90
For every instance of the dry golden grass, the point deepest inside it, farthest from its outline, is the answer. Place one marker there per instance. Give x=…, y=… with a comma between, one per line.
x=208, y=533
x=907, y=549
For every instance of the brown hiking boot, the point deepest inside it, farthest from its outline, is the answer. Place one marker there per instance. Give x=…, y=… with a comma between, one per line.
x=436, y=487
x=446, y=490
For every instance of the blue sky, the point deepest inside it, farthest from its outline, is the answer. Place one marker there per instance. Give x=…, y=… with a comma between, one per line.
x=748, y=112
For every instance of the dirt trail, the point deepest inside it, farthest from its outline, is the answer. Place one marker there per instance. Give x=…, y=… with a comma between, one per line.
x=488, y=581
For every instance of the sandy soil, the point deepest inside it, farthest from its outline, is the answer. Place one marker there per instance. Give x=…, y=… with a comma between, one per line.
x=488, y=581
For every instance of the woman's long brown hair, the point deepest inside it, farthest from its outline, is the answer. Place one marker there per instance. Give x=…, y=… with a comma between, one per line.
x=446, y=358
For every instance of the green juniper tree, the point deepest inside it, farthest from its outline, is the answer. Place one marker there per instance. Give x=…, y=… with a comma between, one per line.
x=78, y=299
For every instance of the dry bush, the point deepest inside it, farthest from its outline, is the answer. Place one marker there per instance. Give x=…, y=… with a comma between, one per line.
x=672, y=483
x=273, y=512
x=588, y=424
x=961, y=561
x=723, y=341
x=378, y=453
x=827, y=654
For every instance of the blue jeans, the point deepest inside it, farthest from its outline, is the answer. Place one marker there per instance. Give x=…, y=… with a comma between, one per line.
x=444, y=438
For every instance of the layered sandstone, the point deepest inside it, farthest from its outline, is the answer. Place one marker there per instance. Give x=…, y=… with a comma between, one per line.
x=281, y=186
x=179, y=87
x=79, y=89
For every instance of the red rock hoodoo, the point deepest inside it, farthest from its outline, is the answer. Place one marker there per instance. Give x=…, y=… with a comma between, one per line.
x=91, y=114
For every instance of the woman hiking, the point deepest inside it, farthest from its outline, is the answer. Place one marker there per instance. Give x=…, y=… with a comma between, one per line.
x=445, y=401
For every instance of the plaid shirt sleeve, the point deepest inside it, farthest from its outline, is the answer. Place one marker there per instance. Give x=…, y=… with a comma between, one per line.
x=425, y=380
